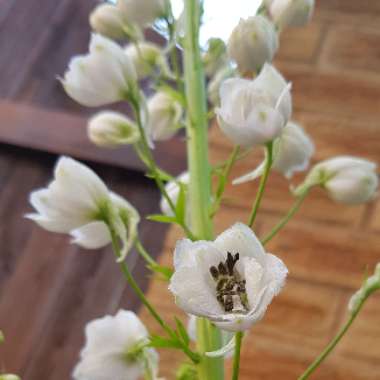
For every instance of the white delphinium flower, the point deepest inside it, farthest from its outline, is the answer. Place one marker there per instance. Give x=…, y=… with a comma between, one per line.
x=347, y=179
x=370, y=285
x=112, y=129
x=291, y=153
x=78, y=202
x=231, y=281
x=253, y=42
x=215, y=57
x=146, y=57
x=290, y=12
x=216, y=81
x=116, y=349
x=164, y=116
x=105, y=75
x=107, y=20
x=142, y=12
x=173, y=189
x=254, y=112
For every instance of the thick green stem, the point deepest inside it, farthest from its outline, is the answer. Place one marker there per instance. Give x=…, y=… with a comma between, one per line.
x=238, y=340
x=263, y=182
x=208, y=337
x=332, y=344
x=286, y=218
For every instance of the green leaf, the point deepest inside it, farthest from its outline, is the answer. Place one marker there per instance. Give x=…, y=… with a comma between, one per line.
x=162, y=218
x=157, y=341
x=182, y=331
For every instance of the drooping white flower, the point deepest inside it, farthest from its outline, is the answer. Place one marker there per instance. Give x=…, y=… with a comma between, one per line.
x=146, y=57
x=164, y=115
x=215, y=57
x=291, y=153
x=370, y=285
x=142, y=12
x=253, y=42
x=254, y=112
x=290, y=12
x=347, y=179
x=116, y=349
x=107, y=20
x=105, y=75
x=112, y=129
x=173, y=190
x=78, y=202
x=230, y=281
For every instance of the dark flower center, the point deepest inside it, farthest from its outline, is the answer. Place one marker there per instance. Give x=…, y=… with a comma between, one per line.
x=230, y=288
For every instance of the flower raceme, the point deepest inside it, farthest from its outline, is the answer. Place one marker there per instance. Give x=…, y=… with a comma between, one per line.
x=230, y=281
x=105, y=75
x=112, y=129
x=254, y=112
x=346, y=179
x=291, y=153
x=253, y=42
x=116, y=349
x=286, y=13
x=77, y=202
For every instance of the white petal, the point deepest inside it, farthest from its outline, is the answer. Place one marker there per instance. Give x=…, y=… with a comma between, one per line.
x=240, y=239
x=251, y=175
x=226, y=350
x=92, y=236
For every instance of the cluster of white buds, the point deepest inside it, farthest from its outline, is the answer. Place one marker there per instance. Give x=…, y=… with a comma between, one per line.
x=117, y=348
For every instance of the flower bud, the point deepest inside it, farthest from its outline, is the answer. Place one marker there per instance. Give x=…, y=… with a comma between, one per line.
x=347, y=179
x=370, y=285
x=253, y=42
x=173, y=189
x=254, y=112
x=146, y=57
x=290, y=12
x=142, y=12
x=108, y=21
x=105, y=75
x=111, y=129
x=291, y=153
x=165, y=114
x=215, y=57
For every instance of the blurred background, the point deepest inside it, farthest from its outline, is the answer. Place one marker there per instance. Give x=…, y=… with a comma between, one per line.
x=49, y=289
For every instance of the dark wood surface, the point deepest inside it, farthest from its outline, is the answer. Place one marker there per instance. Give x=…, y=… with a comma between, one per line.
x=49, y=289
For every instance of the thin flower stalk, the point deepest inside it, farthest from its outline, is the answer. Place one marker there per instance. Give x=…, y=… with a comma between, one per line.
x=236, y=366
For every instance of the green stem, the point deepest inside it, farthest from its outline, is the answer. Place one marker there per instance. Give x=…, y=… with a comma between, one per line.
x=332, y=344
x=148, y=159
x=144, y=253
x=223, y=180
x=286, y=218
x=238, y=340
x=208, y=337
x=140, y=294
x=263, y=182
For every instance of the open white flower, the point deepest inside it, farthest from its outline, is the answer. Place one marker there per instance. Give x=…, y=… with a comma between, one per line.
x=105, y=75
x=78, y=202
x=112, y=129
x=173, y=189
x=230, y=281
x=146, y=56
x=347, y=179
x=254, y=112
x=253, y=42
x=116, y=349
x=141, y=12
x=290, y=12
x=291, y=153
x=164, y=115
